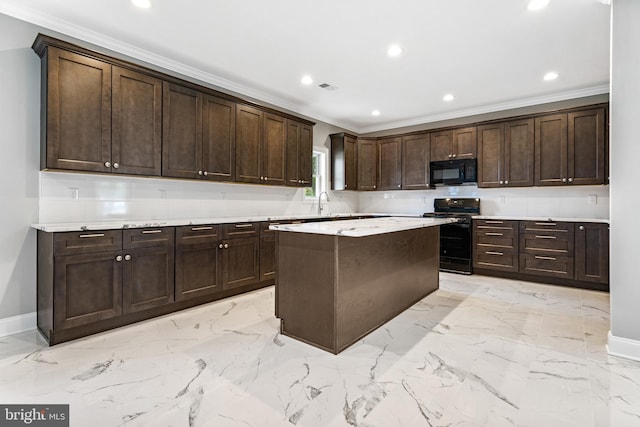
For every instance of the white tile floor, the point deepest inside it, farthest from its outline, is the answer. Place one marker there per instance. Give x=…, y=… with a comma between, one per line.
x=478, y=352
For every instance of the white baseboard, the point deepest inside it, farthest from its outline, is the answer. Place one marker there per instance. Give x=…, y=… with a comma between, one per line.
x=623, y=347
x=17, y=324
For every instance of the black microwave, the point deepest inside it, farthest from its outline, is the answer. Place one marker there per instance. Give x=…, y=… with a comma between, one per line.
x=453, y=172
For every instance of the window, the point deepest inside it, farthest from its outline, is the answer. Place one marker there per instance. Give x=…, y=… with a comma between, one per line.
x=318, y=174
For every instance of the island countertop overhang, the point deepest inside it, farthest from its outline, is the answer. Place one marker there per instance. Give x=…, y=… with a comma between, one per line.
x=363, y=227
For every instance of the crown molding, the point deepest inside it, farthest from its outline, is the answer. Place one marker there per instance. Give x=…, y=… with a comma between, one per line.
x=491, y=108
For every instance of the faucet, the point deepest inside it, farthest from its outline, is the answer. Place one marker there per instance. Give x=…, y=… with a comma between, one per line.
x=320, y=201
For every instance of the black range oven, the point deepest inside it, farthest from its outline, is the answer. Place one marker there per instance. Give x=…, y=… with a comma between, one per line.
x=455, y=238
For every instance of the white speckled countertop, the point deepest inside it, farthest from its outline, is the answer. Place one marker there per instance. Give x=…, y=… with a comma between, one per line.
x=116, y=225
x=540, y=218
x=363, y=227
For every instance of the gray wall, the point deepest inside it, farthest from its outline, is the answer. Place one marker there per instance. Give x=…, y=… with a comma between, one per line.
x=625, y=152
x=19, y=124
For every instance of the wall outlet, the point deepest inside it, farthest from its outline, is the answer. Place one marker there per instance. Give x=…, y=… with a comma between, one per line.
x=592, y=199
x=75, y=193
x=163, y=194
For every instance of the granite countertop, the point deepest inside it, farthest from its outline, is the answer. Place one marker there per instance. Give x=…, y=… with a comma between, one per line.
x=116, y=225
x=539, y=218
x=363, y=227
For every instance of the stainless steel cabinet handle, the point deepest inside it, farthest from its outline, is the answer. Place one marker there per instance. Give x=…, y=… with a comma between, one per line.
x=205, y=173
x=506, y=182
x=345, y=186
x=548, y=224
x=116, y=165
x=493, y=234
x=494, y=253
x=274, y=223
x=449, y=155
x=201, y=228
x=262, y=178
x=570, y=179
x=581, y=228
x=199, y=172
x=244, y=225
x=494, y=222
x=151, y=231
x=87, y=236
x=374, y=186
x=549, y=258
x=220, y=245
x=501, y=182
x=564, y=179
x=226, y=246
x=127, y=257
x=399, y=185
x=119, y=258
x=453, y=155
x=107, y=164
x=266, y=179
x=546, y=237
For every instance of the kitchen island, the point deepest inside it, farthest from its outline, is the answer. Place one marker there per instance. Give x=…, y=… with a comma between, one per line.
x=338, y=281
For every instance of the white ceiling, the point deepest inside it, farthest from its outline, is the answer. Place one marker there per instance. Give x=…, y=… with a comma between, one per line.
x=491, y=54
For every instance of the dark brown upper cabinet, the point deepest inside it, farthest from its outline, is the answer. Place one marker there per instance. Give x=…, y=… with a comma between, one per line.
x=249, y=128
x=299, y=154
x=344, y=162
x=198, y=135
x=390, y=164
x=505, y=154
x=367, y=164
x=570, y=148
x=99, y=117
x=273, y=151
x=454, y=144
x=415, y=162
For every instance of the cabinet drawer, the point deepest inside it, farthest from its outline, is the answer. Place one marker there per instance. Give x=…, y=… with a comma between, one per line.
x=197, y=235
x=554, y=243
x=495, y=259
x=147, y=237
x=499, y=240
x=244, y=229
x=264, y=226
x=84, y=242
x=547, y=265
x=491, y=224
x=561, y=228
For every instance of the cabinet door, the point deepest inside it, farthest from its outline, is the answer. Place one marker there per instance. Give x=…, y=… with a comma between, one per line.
x=518, y=153
x=491, y=155
x=87, y=288
x=367, y=164
x=390, y=164
x=441, y=145
x=198, y=261
x=249, y=127
x=586, y=145
x=268, y=257
x=240, y=262
x=148, y=279
x=351, y=163
x=273, y=150
x=464, y=143
x=415, y=162
x=551, y=150
x=305, y=155
x=592, y=252
x=218, y=139
x=136, y=127
x=78, y=112
x=293, y=153
x=181, y=131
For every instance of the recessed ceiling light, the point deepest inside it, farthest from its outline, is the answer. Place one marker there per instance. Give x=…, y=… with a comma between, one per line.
x=448, y=97
x=551, y=75
x=143, y=4
x=375, y=113
x=306, y=80
x=394, y=50
x=537, y=4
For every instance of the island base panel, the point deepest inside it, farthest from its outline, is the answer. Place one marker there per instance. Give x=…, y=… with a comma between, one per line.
x=334, y=290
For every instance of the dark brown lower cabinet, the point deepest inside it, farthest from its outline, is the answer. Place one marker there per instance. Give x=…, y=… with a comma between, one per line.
x=148, y=279
x=592, y=252
x=240, y=262
x=267, y=256
x=198, y=254
x=87, y=288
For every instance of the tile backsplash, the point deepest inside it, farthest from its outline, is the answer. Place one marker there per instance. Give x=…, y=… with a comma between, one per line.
x=70, y=197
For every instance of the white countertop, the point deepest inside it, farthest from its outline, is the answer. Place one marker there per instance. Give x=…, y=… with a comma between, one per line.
x=540, y=218
x=363, y=227
x=116, y=225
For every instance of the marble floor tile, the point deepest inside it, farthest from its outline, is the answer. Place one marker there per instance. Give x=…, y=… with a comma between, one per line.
x=479, y=351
